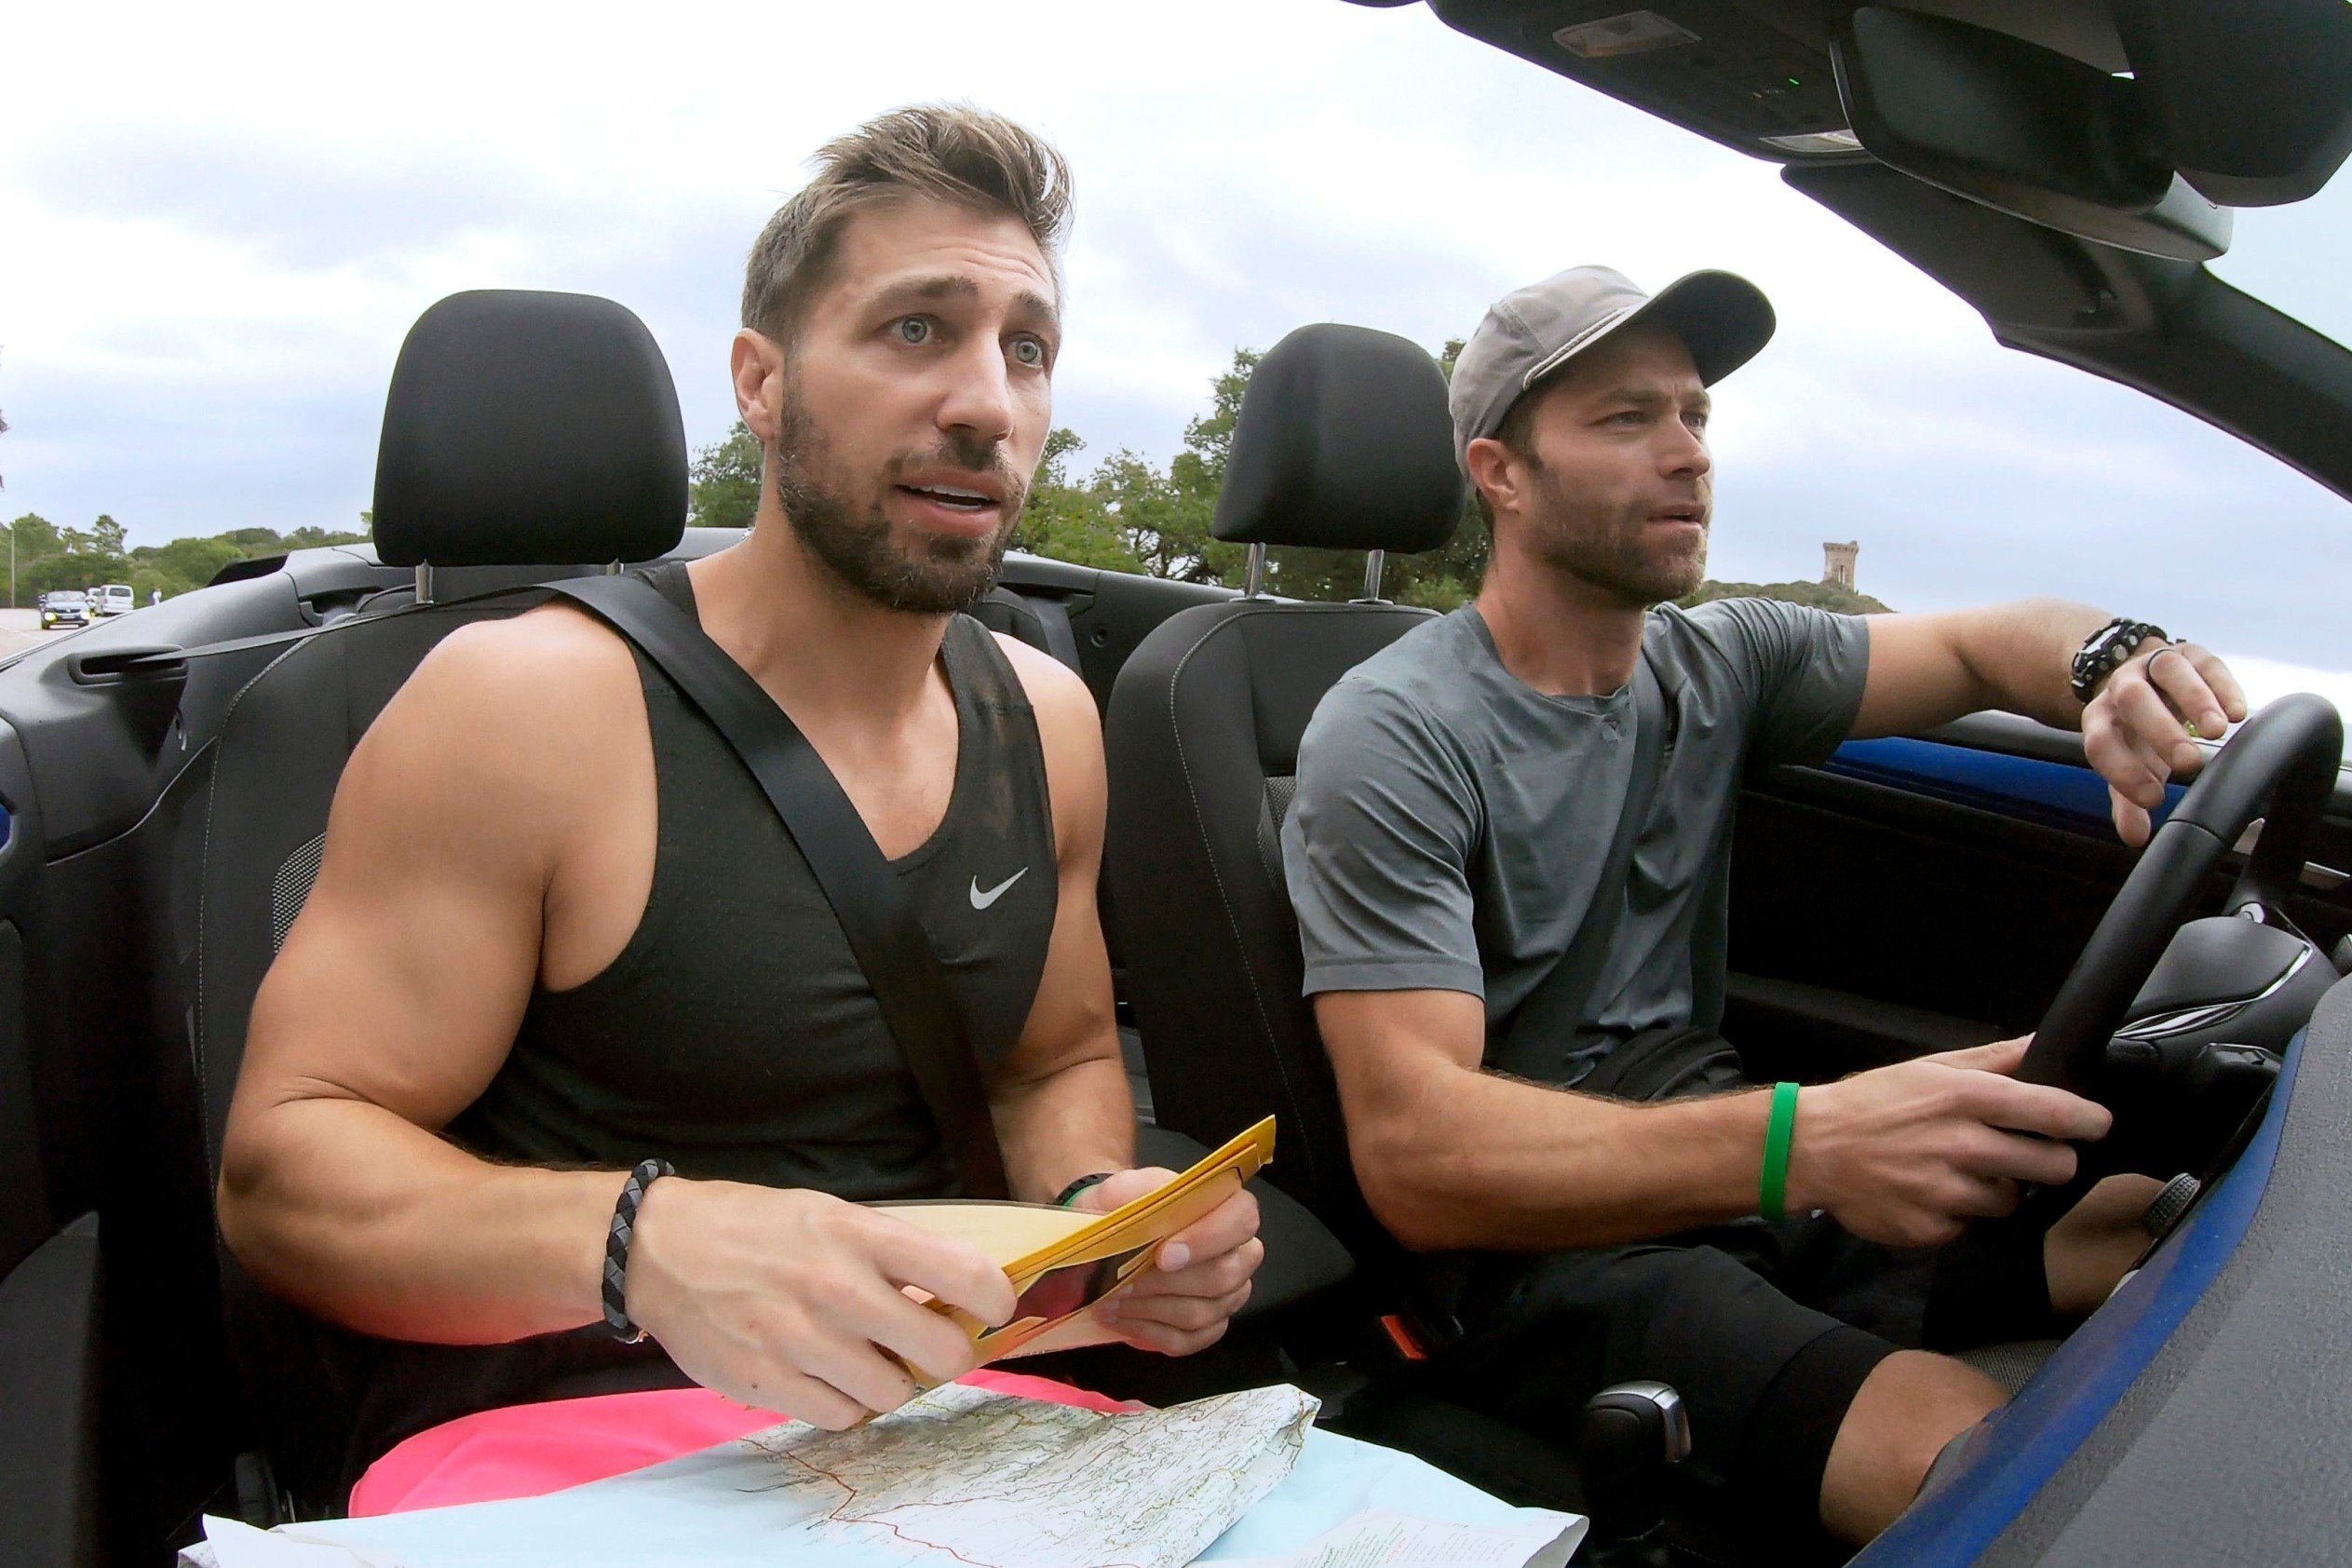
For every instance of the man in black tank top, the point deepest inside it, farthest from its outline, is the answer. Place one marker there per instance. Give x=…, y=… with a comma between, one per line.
x=558, y=930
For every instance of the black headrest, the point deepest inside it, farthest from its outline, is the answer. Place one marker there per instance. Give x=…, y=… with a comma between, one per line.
x=1343, y=441
x=528, y=428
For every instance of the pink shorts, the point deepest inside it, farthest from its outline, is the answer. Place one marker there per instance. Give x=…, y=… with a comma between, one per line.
x=524, y=1451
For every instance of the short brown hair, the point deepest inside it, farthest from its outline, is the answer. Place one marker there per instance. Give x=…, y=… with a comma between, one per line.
x=948, y=151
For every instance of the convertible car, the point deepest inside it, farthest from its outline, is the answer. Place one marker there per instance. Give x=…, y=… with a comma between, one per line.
x=2066, y=167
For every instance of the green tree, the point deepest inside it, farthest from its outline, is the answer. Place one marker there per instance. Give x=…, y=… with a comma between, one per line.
x=1131, y=514
x=192, y=561
x=311, y=536
x=70, y=570
x=1165, y=525
x=1196, y=476
x=146, y=578
x=36, y=536
x=1067, y=521
x=723, y=486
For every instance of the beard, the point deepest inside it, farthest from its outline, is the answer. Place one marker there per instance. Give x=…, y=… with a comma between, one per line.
x=1608, y=546
x=852, y=537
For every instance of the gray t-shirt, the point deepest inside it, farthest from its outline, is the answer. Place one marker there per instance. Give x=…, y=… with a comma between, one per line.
x=1452, y=821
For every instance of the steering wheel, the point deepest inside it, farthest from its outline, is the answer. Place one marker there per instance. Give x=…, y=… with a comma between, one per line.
x=2281, y=766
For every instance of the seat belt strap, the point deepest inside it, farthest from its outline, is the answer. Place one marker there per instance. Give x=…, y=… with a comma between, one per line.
x=875, y=915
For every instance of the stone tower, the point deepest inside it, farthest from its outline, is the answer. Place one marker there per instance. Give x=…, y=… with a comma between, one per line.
x=1837, y=563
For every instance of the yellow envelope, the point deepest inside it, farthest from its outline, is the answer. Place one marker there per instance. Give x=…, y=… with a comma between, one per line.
x=1062, y=1262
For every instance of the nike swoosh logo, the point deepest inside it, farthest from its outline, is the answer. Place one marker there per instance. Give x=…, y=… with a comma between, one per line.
x=982, y=900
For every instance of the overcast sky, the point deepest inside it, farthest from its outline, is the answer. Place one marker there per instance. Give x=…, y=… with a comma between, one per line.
x=216, y=222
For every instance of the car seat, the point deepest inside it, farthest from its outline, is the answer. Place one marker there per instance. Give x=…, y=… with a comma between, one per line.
x=1343, y=441
x=521, y=429
x=50, y=1328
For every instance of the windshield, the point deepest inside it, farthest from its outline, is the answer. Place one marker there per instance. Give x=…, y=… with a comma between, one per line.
x=2293, y=258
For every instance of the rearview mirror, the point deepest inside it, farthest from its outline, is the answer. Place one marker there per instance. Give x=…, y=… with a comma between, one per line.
x=2253, y=96
x=2021, y=129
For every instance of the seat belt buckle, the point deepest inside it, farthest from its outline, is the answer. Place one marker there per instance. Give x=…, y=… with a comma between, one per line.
x=1402, y=1338
x=1408, y=1339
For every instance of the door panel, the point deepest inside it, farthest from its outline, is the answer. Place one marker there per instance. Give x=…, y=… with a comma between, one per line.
x=48, y=1386
x=1915, y=893
x=49, y=1340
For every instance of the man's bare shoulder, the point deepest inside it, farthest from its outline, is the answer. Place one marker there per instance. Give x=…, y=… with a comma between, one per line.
x=550, y=664
x=519, y=708
x=1066, y=714
x=1070, y=734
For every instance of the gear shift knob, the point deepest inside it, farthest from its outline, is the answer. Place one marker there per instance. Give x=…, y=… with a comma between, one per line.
x=1629, y=1435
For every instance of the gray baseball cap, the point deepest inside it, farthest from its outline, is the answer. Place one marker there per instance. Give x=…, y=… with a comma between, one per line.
x=1531, y=333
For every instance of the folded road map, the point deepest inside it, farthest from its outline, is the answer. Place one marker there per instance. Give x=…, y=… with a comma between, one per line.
x=964, y=1478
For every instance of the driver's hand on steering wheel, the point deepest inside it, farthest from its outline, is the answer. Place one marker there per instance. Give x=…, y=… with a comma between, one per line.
x=1908, y=1154
x=2137, y=728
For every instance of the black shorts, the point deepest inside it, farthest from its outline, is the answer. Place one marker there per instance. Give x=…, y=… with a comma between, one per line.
x=1766, y=1330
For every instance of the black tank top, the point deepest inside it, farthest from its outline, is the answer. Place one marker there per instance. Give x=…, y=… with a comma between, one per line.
x=735, y=1034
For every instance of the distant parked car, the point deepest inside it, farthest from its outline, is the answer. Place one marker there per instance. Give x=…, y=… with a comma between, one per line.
x=114, y=599
x=63, y=607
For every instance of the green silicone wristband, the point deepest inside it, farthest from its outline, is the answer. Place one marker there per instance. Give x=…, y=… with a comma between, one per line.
x=1772, y=1188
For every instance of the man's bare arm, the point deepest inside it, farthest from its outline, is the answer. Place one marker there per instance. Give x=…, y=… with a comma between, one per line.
x=1451, y=1156
x=1927, y=670
x=392, y=1006
x=1061, y=1099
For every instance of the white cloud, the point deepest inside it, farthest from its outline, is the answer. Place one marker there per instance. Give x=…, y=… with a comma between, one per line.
x=221, y=219
x=2265, y=681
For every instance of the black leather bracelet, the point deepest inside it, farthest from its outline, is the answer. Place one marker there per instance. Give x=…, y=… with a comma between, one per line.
x=617, y=1242
x=2105, y=651
x=1070, y=1194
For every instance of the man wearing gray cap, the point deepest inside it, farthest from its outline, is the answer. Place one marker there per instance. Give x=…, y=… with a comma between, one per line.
x=1508, y=856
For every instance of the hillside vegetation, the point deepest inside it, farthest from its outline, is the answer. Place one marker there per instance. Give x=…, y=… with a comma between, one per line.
x=48, y=557
x=1835, y=597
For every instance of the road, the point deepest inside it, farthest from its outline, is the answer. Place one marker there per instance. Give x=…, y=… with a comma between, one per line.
x=20, y=629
